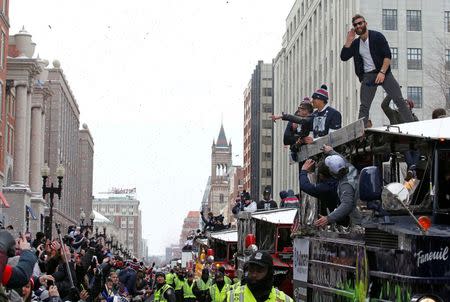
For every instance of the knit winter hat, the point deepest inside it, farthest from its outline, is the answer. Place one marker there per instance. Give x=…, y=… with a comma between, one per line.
x=321, y=93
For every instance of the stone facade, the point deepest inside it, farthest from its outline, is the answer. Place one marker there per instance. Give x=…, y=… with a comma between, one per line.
x=86, y=169
x=315, y=33
x=26, y=94
x=61, y=143
x=258, y=131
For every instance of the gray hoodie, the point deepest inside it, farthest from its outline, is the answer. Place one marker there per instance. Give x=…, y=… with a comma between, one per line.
x=348, y=195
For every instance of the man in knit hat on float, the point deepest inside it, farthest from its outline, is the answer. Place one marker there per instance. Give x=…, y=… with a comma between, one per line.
x=325, y=119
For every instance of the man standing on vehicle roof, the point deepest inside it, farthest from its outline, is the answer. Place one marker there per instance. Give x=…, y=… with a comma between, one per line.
x=259, y=285
x=267, y=203
x=325, y=119
x=372, y=57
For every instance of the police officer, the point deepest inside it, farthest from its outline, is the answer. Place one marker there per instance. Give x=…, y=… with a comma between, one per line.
x=225, y=277
x=218, y=292
x=203, y=285
x=170, y=276
x=179, y=283
x=188, y=288
x=259, y=285
x=164, y=292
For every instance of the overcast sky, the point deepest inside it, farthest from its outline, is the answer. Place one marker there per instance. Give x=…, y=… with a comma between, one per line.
x=153, y=79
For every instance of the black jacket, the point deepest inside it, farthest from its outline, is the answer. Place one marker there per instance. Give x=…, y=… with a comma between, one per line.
x=325, y=191
x=261, y=205
x=292, y=135
x=379, y=49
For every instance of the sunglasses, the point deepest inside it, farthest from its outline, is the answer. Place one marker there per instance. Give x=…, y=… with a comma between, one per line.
x=358, y=24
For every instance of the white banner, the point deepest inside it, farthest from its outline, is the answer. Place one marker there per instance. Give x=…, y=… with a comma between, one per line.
x=301, y=257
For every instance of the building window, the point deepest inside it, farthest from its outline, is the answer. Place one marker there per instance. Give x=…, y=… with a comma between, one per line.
x=447, y=21
x=389, y=19
x=111, y=209
x=267, y=124
x=124, y=210
x=131, y=222
x=266, y=172
x=447, y=59
x=266, y=140
x=267, y=156
x=267, y=91
x=221, y=198
x=267, y=108
x=415, y=94
x=413, y=20
x=414, y=56
x=123, y=222
x=394, y=57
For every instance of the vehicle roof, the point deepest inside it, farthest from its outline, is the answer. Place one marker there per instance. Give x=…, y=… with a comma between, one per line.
x=431, y=129
x=227, y=236
x=279, y=216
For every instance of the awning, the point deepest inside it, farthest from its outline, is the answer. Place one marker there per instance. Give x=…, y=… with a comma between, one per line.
x=278, y=216
x=433, y=129
x=228, y=236
x=3, y=200
x=30, y=210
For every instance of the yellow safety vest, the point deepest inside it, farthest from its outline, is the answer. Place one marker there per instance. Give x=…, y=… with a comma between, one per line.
x=243, y=293
x=187, y=290
x=227, y=280
x=202, y=285
x=159, y=294
x=169, y=278
x=178, y=283
x=219, y=296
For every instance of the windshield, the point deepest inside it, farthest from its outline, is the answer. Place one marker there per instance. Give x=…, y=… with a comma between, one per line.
x=265, y=236
x=284, y=239
x=220, y=249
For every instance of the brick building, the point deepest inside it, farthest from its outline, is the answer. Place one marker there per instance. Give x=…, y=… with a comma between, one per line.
x=191, y=223
x=4, y=37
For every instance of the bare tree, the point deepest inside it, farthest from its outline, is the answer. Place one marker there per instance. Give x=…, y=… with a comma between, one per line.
x=438, y=71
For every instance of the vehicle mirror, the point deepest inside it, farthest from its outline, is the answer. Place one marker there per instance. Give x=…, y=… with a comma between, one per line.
x=394, y=196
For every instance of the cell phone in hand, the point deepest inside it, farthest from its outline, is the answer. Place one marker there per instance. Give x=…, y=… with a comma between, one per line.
x=50, y=283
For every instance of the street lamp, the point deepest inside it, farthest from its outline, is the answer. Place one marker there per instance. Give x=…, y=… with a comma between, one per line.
x=45, y=172
x=83, y=217
x=92, y=217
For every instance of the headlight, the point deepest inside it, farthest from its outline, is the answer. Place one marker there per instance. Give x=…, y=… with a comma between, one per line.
x=425, y=298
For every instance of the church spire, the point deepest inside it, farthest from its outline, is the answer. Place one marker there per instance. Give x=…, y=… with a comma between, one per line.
x=222, y=139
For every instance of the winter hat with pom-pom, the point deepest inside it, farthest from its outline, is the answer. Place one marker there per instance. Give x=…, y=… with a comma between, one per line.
x=321, y=93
